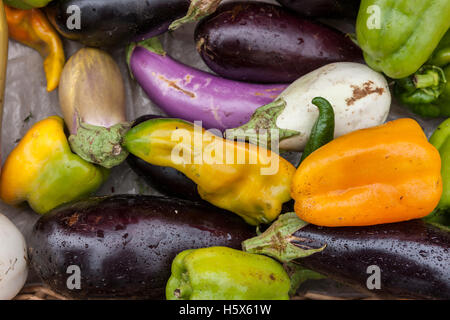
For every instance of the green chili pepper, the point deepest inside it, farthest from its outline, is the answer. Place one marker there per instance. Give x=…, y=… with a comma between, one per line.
x=220, y=273
x=441, y=140
x=323, y=129
x=399, y=36
x=427, y=92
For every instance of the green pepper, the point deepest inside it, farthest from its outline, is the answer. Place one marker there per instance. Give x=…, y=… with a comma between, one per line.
x=220, y=273
x=323, y=129
x=427, y=92
x=399, y=36
x=43, y=171
x=27, y=4
x=441, y=140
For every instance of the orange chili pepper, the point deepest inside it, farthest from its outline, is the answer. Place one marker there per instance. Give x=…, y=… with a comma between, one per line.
x=31, y=28
x=385, y=174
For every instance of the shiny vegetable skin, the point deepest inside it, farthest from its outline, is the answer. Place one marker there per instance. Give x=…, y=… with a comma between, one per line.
x=166, y=180
x=115, y=22
x=413, y=256
x=323, y=8
x=193, y=95
x=264, y=43
x=124, y=245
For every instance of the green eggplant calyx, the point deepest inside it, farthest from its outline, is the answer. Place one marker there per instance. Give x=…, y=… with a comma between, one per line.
x=151, y=44
x=100, y=145
x=279, y=242
x=197, y=10
x=260, y=127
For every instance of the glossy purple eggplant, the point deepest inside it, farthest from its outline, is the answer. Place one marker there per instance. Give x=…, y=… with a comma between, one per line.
x=123, y=246
x=412, y=257
x=265, y=43
x=193, y=95
x=166, y=180
x=323, y=8
x=100, y=23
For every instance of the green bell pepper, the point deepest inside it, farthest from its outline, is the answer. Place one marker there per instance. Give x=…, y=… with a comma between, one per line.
x=220, y=273
x=399, y=36
x=43, y=171
x=427, y=92
x=441, y=140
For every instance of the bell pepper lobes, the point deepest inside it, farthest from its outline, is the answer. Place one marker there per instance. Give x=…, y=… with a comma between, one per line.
x=427, y=92
x=31, y=28
x=441, y=140
x=27, y=4
x=384, y=174
x=43, y=170
x=245, y=179
x=399, y=36
x=220, y=273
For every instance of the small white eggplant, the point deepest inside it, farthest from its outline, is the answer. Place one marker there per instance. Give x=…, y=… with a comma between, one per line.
x=360, y=98
x=13, y=259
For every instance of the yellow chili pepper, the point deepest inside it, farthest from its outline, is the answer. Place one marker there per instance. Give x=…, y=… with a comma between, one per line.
x=31, y=28
x=245, y=179
x=43, y=170
x=385, y=174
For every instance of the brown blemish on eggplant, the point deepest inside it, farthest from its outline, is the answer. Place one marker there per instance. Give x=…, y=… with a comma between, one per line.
x=174, y=85
x=362, y=92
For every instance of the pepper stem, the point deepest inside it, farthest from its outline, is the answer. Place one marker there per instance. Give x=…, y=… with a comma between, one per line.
x=197, y=10
x=431, y=78
x=257, y=130
x=279, y=242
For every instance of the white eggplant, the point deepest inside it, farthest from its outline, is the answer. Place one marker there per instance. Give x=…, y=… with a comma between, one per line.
x=13, y=259
x=360, y=98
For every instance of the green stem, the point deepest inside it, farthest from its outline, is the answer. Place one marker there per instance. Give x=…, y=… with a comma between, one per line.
x=197, y=10
x=279, y=241
x=258, y=129
x=429, y=79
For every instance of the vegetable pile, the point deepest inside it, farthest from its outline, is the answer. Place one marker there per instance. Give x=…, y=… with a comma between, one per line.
x=235, y=215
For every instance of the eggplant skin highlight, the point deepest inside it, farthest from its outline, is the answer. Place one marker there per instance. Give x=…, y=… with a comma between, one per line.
x=124, y=245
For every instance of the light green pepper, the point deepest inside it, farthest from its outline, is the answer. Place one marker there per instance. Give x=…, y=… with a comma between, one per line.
x=220, y=273
x=399, y=36
x=441, y=140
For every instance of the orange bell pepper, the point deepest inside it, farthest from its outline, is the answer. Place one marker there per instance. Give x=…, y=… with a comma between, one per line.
x=31, y=28
x=385, y=174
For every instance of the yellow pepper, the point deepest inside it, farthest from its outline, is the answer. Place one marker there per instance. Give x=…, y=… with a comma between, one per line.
x=385, y=174
x=245, y=179
x=43, y=170
x=31, y=28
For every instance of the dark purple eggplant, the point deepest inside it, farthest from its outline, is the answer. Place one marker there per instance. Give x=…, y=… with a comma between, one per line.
x=264, y=43
x=413, y=256
x=166, y=180
x=124, y=245
x=119, y=22
x=323, y=8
